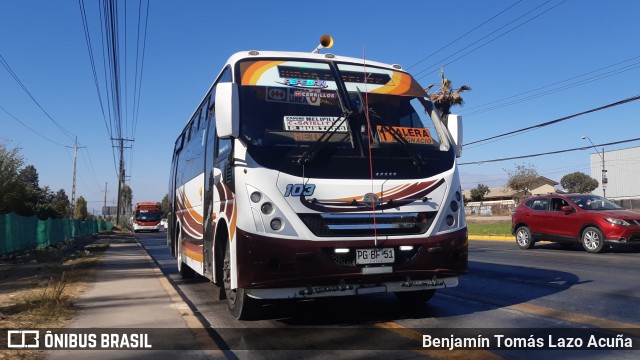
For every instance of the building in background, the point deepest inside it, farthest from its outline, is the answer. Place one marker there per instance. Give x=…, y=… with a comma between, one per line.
x=621, y=169
x=502, y=200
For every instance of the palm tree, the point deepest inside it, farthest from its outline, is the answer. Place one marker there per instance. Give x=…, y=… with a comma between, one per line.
x=444, y=98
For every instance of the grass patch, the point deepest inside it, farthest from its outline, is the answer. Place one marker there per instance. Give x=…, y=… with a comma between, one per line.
x=493, y=228
x=38, y=288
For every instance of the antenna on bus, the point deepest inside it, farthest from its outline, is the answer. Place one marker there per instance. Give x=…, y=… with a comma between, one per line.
x=326, y=41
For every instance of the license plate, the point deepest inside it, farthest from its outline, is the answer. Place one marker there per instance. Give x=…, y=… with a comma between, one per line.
x=374, y=256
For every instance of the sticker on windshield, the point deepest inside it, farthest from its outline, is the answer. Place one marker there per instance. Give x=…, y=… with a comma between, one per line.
x=412, y=135
x=303, y=97
x=306, y=83
x=313, y=123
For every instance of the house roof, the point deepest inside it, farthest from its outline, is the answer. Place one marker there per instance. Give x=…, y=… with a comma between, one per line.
x=496, y=193
x=546, y=180
x=503, y=192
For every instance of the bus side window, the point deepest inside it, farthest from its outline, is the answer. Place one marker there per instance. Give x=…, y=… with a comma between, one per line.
x=188, y=131
x=196, y=120
x=202, y=121
x=179, y=144
x=224, y=145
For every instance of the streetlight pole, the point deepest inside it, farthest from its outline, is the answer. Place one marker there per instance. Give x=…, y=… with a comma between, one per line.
x=604, y=171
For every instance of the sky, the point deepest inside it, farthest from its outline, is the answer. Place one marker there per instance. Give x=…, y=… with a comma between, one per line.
x=528, y=62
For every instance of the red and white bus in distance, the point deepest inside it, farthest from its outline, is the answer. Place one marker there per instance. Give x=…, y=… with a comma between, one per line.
x=147, y=217
x=305, y=175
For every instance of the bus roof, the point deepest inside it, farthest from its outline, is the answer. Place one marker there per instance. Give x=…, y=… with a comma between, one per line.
x=242, y=55
x=147, y=204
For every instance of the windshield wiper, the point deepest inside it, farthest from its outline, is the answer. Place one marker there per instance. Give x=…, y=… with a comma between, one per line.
x=322, y=141
x=416, y=158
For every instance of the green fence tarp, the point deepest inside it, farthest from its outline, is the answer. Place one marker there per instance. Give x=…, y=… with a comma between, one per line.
x=19, y=233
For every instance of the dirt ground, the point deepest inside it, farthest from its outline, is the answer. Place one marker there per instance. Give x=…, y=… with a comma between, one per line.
x=33, y=269
x=37, y=287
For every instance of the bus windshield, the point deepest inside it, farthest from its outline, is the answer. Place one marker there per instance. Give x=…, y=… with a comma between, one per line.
x=148, y=215
x=289, y=108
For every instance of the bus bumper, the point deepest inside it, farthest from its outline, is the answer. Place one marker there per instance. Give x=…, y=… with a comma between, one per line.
x=270, y=268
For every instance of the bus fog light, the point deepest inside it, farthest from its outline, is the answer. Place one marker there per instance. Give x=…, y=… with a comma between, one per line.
x=256, y=196
x=406, y=248
x=266, y=208
x=454, y=206
x=450, y=220
x=341, y=250
x=276, y=224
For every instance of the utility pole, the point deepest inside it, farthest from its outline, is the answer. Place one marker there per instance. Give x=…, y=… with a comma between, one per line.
x=73, y=184
x=120, y=177
x=104, y=207
x=604, y=177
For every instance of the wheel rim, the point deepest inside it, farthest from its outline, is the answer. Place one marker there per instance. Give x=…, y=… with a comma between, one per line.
x=522, y=238
x=226, y=278
x=591, y=240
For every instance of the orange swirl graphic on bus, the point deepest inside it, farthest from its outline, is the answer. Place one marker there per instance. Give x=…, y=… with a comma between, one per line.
x=252, y=74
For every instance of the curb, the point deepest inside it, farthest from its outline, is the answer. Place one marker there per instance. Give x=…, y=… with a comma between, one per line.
x=207, y=344
x=491, y=237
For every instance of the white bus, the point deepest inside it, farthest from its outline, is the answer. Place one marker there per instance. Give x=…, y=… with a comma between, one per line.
x=305, y=175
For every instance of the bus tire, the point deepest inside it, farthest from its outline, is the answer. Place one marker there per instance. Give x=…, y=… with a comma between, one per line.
x=415, y=298
x=241, y=306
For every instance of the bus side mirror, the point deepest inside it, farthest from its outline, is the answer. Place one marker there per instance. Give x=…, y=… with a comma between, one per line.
x=454, y=124
x=227, y=110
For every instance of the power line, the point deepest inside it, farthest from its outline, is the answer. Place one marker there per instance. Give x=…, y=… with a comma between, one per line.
x=439, y=64
x=30, y=129
x=548, y=153
x=552, y=84
x=138, y=82
x=553, y=91
x=87, y=37
x=634, y=98
x=465, y=34
x=68, y=133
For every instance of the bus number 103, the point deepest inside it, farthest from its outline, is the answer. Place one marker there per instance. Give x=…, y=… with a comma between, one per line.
x=299, y=189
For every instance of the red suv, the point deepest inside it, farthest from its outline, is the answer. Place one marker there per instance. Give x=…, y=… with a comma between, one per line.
x=589, y=219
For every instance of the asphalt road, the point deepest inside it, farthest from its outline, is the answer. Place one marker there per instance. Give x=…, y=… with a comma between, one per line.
x=547, y=293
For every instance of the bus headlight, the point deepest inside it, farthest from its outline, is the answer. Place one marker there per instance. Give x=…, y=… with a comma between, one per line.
x=266, y=208
x=276, y=224
x=450, y=220
x=256, y=196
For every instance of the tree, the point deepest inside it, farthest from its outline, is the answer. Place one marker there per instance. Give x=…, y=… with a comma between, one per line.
x=61, y=204
x=11, y=188
x=165, y=205
x=578, y=182
x=80, y=211
x=478, y=193
x=34, y=199
x=522, y=178
x=126, y=197
x=445, y=97
x=29, y=176
x=20, y=189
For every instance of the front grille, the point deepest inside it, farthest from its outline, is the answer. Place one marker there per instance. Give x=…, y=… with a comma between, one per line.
x=328, y=225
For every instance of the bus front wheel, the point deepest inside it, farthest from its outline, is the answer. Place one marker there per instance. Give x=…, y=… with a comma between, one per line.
x=241, y=306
